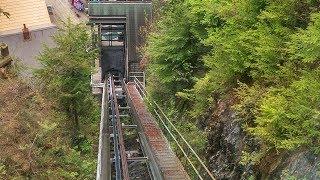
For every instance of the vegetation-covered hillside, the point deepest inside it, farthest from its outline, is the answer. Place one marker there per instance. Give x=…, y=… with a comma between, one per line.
x=260, y=58
x=49, y=123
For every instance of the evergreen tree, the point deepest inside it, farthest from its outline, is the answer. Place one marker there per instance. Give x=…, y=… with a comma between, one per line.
x=65, y=72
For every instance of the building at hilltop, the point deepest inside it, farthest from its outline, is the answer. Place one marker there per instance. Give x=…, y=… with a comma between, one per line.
x=28, y=27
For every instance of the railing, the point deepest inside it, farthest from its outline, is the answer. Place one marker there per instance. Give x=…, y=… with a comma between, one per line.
x=197, y=165
x=140, y=76
x=104, y=168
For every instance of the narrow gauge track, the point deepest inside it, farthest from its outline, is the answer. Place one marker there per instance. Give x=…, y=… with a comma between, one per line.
x=116, y=158
x=152, y=157
x=119, y=148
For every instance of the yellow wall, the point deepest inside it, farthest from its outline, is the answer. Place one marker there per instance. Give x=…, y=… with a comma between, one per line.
x=33, y=13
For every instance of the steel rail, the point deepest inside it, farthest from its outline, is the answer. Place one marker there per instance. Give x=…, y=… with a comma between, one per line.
x=124, y=163
x=115, y=132
x=185, y=141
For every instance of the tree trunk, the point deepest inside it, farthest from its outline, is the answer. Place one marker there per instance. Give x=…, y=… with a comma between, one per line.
x=73, y=115
x=76, y=118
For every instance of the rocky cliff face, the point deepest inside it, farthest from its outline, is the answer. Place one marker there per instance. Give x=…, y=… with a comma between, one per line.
x=227, y=140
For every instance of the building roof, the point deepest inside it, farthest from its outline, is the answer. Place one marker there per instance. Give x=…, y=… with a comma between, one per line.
x=33, y=13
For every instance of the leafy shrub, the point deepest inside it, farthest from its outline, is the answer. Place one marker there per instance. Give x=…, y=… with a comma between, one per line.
x=267, y=51
x=290, y=117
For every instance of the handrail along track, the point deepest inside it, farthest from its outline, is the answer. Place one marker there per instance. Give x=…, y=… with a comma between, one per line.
x=175, y=134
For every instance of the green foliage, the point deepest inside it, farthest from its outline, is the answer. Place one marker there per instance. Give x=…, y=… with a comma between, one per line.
x=65, y=78
x=248, y=158
x=289, y=117
x=264, y=50
x=286, y=175
x=259, y=53
x=35, y=138
x=65, y=72
x=174, y=49
x=250, y=46
x=305, y=45
x=65, y=162
x=2, y=169
x=250, y=98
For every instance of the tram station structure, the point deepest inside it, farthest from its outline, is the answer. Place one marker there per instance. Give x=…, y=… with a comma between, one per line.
x=118, y=23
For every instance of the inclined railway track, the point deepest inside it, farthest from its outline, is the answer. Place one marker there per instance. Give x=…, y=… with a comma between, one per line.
x=115, y=26
x=121, y=164
x=116, y=160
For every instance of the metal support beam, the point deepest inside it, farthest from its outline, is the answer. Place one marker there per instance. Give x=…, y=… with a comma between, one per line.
x=134, y=159
x=121, y=115
x=127, y=126
x=124, y=108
